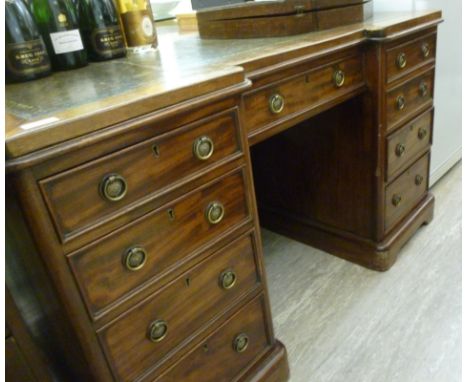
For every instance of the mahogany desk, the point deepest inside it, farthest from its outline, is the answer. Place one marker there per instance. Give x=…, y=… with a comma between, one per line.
x=131, y=208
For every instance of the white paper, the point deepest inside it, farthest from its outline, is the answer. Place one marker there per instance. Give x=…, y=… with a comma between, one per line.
x=66, y=42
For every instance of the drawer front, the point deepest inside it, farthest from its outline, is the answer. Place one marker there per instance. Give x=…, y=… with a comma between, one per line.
x=217, y=358
x=409, y=99
x=407, y=143
x=408, y=189
x=156, y=243
x=301, y=93
x=409, y=55
x=78, y=198
x=180, y=309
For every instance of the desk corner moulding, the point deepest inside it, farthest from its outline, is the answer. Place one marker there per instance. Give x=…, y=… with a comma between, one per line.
x=134, y=206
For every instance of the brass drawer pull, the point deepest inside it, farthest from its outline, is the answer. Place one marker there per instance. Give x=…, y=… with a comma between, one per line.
x=203, y=148
x=339, y=78
x=400, y=102
x=157, y=330
x=276, y=103
x=113, y=187
x=400, y=149
x=423, y=89
x=396, y=200
x=425, y=50
x=401, y=61
x=135, y=258
x=227, y=279
x=422, y=133
x=418, y=179
x=241, y=342
x=214, y=212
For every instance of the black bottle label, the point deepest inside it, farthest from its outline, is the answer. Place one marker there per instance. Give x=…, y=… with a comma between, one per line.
x=26, y=58
x=108, y=41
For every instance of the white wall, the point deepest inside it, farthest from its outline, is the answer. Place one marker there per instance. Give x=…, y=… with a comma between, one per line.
x=448, y=91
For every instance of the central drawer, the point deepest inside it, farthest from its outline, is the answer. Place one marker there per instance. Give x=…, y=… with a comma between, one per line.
x=141, y=339
x=94, y=193
x=150, y=247
x=292, y=96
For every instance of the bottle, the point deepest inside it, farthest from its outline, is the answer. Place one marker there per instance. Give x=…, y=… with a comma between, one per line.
x=138, y=25
x=25, y=53
x=101, y=31
x=58, y=24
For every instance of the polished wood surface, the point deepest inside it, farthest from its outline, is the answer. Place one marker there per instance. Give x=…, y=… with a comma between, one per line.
x=120, y=262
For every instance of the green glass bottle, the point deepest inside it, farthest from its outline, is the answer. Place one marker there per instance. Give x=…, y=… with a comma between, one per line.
x=58, y=24
x=25, y=53
x=100, y=27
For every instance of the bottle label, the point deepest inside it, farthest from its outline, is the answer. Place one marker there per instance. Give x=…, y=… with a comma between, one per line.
x=66, y=42
x=108, y=40
x=26, y=58
x=139, y=28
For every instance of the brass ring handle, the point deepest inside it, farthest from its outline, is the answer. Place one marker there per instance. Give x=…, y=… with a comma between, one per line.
x=227, y=279
x=401, y=60
x=135, y=258
x=240, y=342
x=214, y=212
x=396, y=200
x=423, y=89
x=203, y=148
x=425, y=49
x=157, y=330
x=422, y=133
x=113, y=187
x=418, y=179
x=339, y=78
x=400, y=102
x=400, y=149
x=276, y=103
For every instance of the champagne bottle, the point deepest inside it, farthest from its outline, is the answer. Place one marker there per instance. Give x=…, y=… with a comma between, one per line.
x=138, y=24
x=25, y=53
x=58, y=24
x=100, y=27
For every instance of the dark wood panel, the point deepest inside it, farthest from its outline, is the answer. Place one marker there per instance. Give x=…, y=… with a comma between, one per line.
x=301, y=92
x=185, y=305
x=407, y=190
x=414, y=95
x=147, y=168
x=16, y=367
x=409, y=142
x=170, y=236
x=214, y=359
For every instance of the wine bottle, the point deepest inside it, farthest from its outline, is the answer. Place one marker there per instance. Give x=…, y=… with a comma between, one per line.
x=138, y=24
x=58, y=24
x=25, y=53
x=100, y=28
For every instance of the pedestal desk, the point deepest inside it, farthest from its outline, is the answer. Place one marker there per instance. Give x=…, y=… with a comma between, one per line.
x=134, y=188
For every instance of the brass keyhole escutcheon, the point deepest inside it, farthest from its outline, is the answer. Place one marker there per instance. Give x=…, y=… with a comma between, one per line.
x=241, y=342
x=400, y=149
x=422, y=133
x=425, y=49
x=339, y=78
x=203, y=148
x=423, y=89
x=418, y=180
x=155, y=149
x=276, y=103
x=401, y=60
x=400, y=102
x=214, y=212
x=227, y=279
x=113, y=187
x=135, y=258
x=171, y=214
x=157, y=330
x=396, y=200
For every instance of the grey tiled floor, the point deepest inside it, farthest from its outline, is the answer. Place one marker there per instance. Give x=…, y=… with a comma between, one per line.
x=344, y=323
